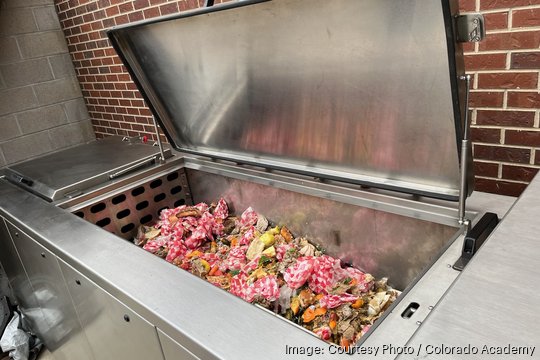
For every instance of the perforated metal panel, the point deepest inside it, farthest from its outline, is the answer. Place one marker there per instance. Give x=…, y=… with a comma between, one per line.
x=123, y=212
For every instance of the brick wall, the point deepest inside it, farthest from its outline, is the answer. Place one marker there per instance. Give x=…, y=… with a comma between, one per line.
x=41, y=105
x=505, y=98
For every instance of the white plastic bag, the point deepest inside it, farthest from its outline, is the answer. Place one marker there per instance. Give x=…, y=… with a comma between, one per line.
x=15, y=340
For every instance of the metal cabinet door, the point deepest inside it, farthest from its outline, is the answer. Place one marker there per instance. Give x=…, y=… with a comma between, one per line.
x=173, y=350
x=17, y=277
x=113, y=330
x=57, y=323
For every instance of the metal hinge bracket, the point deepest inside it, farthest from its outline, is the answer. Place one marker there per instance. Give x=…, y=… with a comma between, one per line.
x=470, y=27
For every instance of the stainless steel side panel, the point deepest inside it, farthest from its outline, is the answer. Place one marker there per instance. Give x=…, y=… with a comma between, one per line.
x=173, y=350
x=57, y=323
x=18, y=279
x=363, y=91
x=114, y=331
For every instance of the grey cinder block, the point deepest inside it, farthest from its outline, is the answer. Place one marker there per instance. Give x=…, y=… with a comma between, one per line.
x=42, y=44
x=17, y=99
x=8, y=127
x=10, y=51
x=41, y=118
x=57, y=90
x=46, y=18
x=8, y=4
x=26, y=72
x=76, y=110
x=17, y=21
x=61, y=66
x=71, y=134
x=25, y=147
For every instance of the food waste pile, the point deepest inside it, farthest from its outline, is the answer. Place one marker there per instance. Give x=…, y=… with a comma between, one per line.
x=267, y=265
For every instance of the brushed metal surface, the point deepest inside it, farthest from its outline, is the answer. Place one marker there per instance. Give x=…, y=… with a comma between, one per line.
x=362, y=91
x=18, y=279
x=378, y=242
x=77, y=169
x=494, y=303
x=57, y=322
x=114, y=331
x=173, y=350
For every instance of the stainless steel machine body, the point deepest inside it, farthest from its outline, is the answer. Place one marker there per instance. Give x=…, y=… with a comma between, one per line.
x=293, y=107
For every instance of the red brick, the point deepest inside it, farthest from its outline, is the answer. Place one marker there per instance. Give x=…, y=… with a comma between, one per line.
x=486, y=169
x=518, y=173
x=502, y=153
x=114, y=10
x=126, y=7
x=527, y=17
x=508, y=80
x=511, y=41
x=468, y=47
x=485, y=62
x=104, y=3
x=151, y=13
x=486, y=99
x=501, y=4
x=495, y=21
x=167, y=9
x=139, y=4
x=522, y=137
x=155, y=2
x=122, y=19
x=136, y=16
x=528, y=60
x=486, y=135
x=467, y=5
x=505, y=118
x=537, y=157
x=528, y=100
x=499, y=187
x=188, y=5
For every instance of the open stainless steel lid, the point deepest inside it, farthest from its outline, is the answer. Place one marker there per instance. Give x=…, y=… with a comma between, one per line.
x=361, y=91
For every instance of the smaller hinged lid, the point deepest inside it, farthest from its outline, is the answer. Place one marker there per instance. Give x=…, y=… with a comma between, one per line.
x=359, y=91
x=68, y=173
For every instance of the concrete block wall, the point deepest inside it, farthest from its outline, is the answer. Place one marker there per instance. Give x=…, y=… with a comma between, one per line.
x=41, y=104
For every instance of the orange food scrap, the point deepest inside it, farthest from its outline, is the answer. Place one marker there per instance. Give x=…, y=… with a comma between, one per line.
x=311, y=313
x=286, y=234
x=357, y=304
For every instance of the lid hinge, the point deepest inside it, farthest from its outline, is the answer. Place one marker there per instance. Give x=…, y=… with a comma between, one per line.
x=465, y=143
x=161, y=158
x=470, y=27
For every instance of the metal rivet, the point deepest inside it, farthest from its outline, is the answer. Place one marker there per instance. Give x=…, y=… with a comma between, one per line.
x=43, y=255
x=126, y=318
x=448, y=266
x=418, y=323
x=430, y=307
x=78, y=282
x=16, y=234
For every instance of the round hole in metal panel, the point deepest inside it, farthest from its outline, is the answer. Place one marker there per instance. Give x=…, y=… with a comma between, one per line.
x=118, y=199
x=141, y=205
x=80, y=214
x=179, y=202
x=163, y=208
x=103, y=222
x=159, y=197
x=156, y=183
x=138, y=191
x=127, y=228
x=176, y=190
x=172, y=176
x=147, y=218
x=98, y=208
x=122, y=214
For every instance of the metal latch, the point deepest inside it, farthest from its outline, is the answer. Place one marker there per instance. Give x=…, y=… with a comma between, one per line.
x=475, y=238
x=470, y=27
